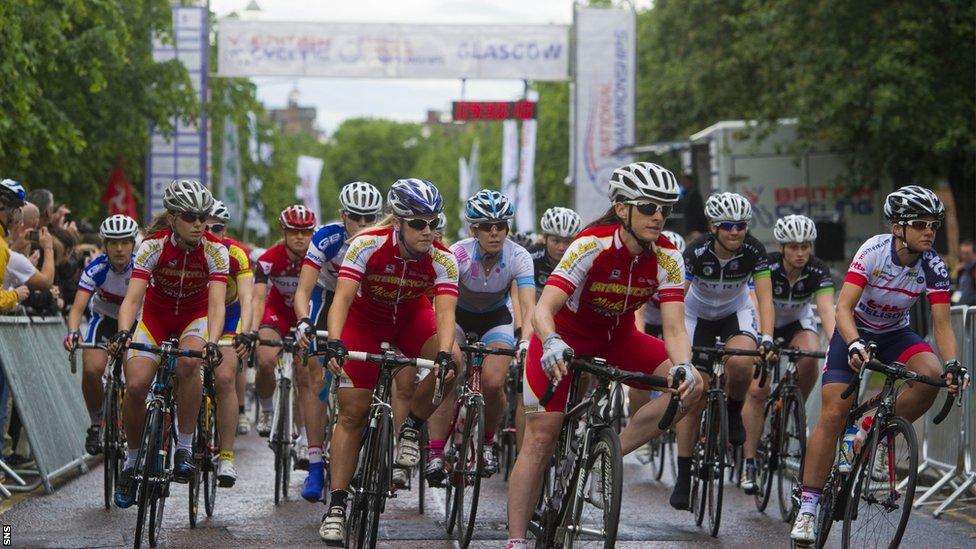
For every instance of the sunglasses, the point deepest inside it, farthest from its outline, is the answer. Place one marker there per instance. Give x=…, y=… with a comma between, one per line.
x=303, y=232
x=356, y=218
x=193, y=218
x=216, y=228
x=729, y=225
x=921, y=225
x=651, y=208
x=419, y=224
x=499, y=226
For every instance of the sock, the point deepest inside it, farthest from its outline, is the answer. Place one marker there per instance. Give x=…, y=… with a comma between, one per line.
x=240, y=409
x=684, y=467
x=337, y=498
x=516, y=543
x=436, y=448
x=413, y=422
x=266, y=404
x=751, y=462
x=130, y=458
x=489, y=438
x=184, y=442
x=809, y=499
x=226, y=455
x=314, y=454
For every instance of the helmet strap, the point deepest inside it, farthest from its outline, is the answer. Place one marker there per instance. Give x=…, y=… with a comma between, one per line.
x=724, y=247
x=908, y=247
x=629, y=227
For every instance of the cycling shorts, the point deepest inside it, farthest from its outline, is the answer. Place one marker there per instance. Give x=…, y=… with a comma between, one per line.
x=490, y=326
x=360, y=334
x=897, y=346
x=232, y=321
x=656, y=330
x=279, y=318
x=787, y=332
x=157, y=326
x=703, y=332
x=101, y=328
x=319, y=312
x=629, y=350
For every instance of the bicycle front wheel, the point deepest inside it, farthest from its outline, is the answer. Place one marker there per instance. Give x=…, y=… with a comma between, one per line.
x=114, y=457
x=376, y=480
x=593, y=514
x=883, y=488
x=792, y=448
x=209, y=464
x=466, y=473
x=716, y=446
x=766, y=454
x=160, y=484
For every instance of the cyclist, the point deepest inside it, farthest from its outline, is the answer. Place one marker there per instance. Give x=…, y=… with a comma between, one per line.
x=181, y=271
x=607, y=273
x=488, y=264
x=103, y=283
x=238, y=317
x=279, y=267
x=888, y=274
x=381, y=297
x=361, y=204
x=559, y=227
x=12, y=199
x=718, y=269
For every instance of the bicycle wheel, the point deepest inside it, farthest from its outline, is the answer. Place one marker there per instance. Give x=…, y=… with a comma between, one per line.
x=659, y=448
x=766, y=455
x=829, y=505
x=199, y=452
x=452, y=447
x=586, y=524
x=792, y=448
x=146, y=466
x=110, y=447
x=280, y=441
x=424, y=455
x=699, y=468
x=877, y=502
x=378, y=461
x=209, y=464
x=716, y=445
x=160, y=487
x=467, y=471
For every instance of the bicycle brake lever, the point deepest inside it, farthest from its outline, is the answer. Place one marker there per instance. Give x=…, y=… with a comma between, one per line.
x=764, y=372
x=439, y=386
x=668, y=418
x=73, y=362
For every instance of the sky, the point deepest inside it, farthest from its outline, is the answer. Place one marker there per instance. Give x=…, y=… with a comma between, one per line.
x=399, y=99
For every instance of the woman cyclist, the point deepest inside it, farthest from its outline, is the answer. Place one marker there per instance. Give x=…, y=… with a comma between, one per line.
x=607, y=273
x=103, y=283
x=888, y=275
x=381, y=297
x=488, y=264
x=181, y=271
x=559, y=227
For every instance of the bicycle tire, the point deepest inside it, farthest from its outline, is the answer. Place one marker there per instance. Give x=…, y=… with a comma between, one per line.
x=859, y=505
x=450, y=461
x=472, y=465
x=696, y=494
x=792, y=450
x=160, y=491
x=146, y=466
x=424, y=456
x=110, y=449
x=766, y=455
x=210, y=462
x=659, y=448
x=543, y=518
x=376, y=483
x=716, y=452
x=828, y=504
x=280, y=446
x=604, y=446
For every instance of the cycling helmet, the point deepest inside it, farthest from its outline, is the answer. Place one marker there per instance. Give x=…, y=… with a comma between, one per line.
x=361, y=198
x=297, y=217
x=187, y=195
x=488, y=205
x=12, y=194
x=523, y=238
x=118, y=227
x=561, y=221
x=220, y=212
x=795, y=228
x=442, y=222
x=675, y=239
x=413, y=197
x=643, y=181
x=911, y=202
x=727, y=207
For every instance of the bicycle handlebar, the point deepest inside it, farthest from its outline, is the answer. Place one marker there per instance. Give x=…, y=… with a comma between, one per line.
x=551, y=389
x=172, y=350
x=899, y=371
x=391, y=360
x=73, y=360
x=482, y=350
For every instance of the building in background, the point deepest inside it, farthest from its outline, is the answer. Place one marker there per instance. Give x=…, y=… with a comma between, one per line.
x=296, y=119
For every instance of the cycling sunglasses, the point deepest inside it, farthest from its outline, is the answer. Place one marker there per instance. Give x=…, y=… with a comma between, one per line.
x=193, y=218
x=216, y=228
x=419, y=224
x=499, y=226
x=651, y=208
x=729, y=225
x=921, y=224
x=356, y=218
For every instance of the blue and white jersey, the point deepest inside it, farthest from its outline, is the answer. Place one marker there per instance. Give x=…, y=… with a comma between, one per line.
x=325, y=254
x=481, y=292
x=107, y=286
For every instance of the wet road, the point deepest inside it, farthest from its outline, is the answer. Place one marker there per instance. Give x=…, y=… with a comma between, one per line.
x=246, y=516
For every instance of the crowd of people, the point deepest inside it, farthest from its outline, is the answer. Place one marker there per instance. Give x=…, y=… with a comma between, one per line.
x=621, y=288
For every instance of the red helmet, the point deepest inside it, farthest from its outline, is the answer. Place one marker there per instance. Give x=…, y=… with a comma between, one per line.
x=297, y=217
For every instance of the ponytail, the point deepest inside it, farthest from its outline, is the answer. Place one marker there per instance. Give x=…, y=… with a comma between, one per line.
x=609, y=217
x=388, y=221
x=159, y=223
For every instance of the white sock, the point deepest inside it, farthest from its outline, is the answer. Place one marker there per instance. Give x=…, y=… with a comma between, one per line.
x=184, y=442
x=303, y=437
x=314, y=454
x=130, y=458
x=266, y=404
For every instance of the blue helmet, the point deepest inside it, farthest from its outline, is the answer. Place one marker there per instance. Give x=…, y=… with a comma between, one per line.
x=488, y=205
x=12, y=194
x=413, y=197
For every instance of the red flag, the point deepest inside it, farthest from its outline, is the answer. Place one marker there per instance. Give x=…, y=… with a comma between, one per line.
x=118, y=197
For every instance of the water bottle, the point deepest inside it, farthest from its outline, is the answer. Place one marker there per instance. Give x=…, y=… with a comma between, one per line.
x=846, y=457
x=862, y=433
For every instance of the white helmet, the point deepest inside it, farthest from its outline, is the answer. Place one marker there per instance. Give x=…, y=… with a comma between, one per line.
x=220, y=212
x=488, y=205
x=118, y=227
x=727, y=207
x=441, y=222
x=795, y=228
x=560, y=221
x=675, y=239
x=912, y=201
x=361, y=198
x=643, y=181
x=188, y=195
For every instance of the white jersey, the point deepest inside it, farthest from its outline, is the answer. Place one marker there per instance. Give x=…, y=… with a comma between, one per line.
x=482, y=292
x=107, y=286
x=890, y=289
x=325, y=253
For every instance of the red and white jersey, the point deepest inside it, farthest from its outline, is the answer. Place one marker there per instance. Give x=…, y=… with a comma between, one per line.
x=890, y=289
x=391, y=287
x=179, y=278
x=606, y=283
x=279, y=271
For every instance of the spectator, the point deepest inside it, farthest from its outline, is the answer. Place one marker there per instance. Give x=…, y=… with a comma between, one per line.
x=966, y=273
x=11, y=200
x=44, y=200
x=692, y=205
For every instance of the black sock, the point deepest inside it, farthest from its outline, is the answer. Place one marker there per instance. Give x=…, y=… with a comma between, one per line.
x=751, y=462
x=240, y=409
x=414, y=422
x=734, y=406
x=337, y=498
x=684, y=467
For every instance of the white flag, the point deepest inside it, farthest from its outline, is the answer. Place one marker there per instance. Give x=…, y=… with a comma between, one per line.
x=525, y=198
x=309, y=170
x=510, y=156
x=230, y=174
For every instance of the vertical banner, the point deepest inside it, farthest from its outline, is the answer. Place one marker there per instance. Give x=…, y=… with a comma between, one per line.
x=464, y=191
x=525, y=198
x=230, y=174
x=118, y=198
x=182, y=154
x=309, y=170
x=474, y=168
x=510, y=158
x=604, y=102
